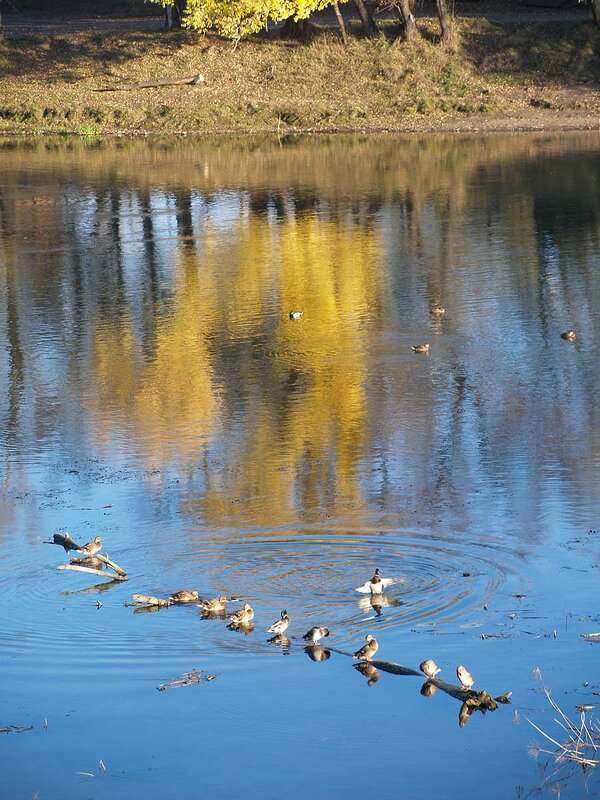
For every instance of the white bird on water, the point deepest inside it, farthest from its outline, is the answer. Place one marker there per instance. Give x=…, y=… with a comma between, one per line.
x=376, y=585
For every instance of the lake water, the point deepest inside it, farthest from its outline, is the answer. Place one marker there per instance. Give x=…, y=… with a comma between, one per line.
x=154, y=391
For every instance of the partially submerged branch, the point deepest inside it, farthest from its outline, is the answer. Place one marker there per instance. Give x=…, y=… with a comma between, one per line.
x=102, y=572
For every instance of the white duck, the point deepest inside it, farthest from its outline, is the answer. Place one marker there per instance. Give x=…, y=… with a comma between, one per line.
x=377, y=584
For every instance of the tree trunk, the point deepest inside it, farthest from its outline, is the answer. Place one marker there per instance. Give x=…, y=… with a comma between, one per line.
x=296, y=29
x=174, y=14
x=407, y=19
x=340, y=21
x=596, y=12
x=445, y=19
x=366, y=17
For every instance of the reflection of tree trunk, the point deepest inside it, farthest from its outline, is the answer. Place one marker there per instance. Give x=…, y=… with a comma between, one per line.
x=151, y=281
x=340, y=21
x=366, y=17
x=14, y=348
x=596, y=12
x=407, y=19
x=445, y=19
x=183, y=216
x=1, y=28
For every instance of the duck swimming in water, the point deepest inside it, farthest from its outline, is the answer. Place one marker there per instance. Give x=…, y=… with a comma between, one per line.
x=281, y=625
x=377, y=584
x=184, y=596
x=243, y=616
x=214, y=605
x=570, y=336
x=421, y=348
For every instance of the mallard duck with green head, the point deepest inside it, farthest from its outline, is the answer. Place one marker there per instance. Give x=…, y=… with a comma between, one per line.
x=281, y=625
x=377, y=584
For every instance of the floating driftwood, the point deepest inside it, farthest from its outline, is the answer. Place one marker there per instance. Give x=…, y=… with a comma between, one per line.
x=192, y=80
x=194, y=676
x=591, y=637
x=149, y=600
x=16, y=728
x=102, y=572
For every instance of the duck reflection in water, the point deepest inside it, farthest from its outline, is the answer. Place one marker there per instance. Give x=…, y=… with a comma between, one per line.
x=464, y=714
x=428, y=689
x=316, y=653
x=279, y=640
x=242, y=627
x=369, y=671
x=213, y=614
x=378, y=601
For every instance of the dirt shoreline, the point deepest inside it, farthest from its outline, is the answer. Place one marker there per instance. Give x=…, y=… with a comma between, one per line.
x=501, y=78
x=550, y=124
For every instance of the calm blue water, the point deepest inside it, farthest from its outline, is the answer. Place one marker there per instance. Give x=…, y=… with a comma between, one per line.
x=155, y=392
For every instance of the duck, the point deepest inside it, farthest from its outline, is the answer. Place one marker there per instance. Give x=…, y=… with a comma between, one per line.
x=368, y=650
x=465, y=677
x=570, y=336
x=429, y=668
x=421, y=348
x=316, y=633
x=184, y=596
x=91, y=548
x=296, y=314
x=281, y=625
x=377, y=584
x=214, y=605
x=243, y=616
x=437, y=310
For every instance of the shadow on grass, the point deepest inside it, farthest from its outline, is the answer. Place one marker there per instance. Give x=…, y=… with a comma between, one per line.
x=71, y=57
x=560, y=51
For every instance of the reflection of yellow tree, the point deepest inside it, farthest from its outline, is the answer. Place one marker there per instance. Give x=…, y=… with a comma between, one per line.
x=168, y=403
x=292, y=394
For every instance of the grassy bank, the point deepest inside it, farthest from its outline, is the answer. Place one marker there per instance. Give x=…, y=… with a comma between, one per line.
x=501, y=76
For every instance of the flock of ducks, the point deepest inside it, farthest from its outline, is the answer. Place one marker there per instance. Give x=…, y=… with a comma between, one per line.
x=243, y=617
x=438, y=311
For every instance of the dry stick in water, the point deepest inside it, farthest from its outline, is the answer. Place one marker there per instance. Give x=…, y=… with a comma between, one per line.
x=149, y=600
x=104, y=573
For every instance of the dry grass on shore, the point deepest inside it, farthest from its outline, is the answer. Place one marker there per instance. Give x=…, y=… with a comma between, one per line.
x=520, y=71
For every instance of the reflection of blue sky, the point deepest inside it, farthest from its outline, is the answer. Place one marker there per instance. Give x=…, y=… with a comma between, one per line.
x=481, y=458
